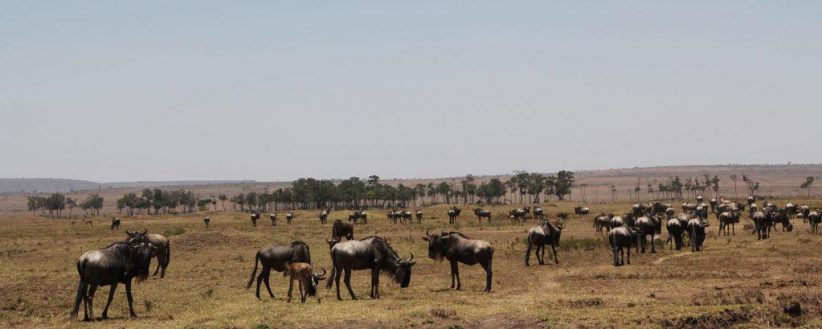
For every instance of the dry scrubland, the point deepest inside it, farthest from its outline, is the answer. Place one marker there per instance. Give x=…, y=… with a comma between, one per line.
x=736, y=281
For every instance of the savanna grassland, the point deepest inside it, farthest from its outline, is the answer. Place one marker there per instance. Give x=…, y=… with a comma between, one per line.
x=735, y=282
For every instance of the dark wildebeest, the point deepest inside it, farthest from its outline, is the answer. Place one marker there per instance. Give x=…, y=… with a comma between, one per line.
x=159, y=241
x=458, y=248
x=688, y=208
x=341, y=229
x=804, y=211
x=539, y=236
x=453, y=213
x=675, y=230
x=648, y=225
x=751, y=199
x=538, y=213
x=762, y=225
x=273, y=218
x=418, y=214
x=728, y=218
x=206, y=221
x=254, y=217
x=621, y=239
x=696, y=232
x=289, y=217
x=640, y=209
x=392, y=216
x=115, y=223
x=324, y=216
x=814, y=218
x=480, y=213
x=791, y=210
x=277, y=257
x=658, y=208
x=781, y=217
x=117, y=263
x=518, y=215
x=405, y=216
x=603, y=222
x=356, y=216
x=372, y=253
x=307, y=280
x=581, y=210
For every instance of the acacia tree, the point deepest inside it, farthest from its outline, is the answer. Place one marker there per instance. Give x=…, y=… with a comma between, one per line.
x=807, y=184
x=753, y=186
x=563, y=184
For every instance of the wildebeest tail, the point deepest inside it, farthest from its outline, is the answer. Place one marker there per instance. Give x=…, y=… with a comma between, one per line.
x=254, y=272
x=330, y=280
x=80, y=290
x=168, y=255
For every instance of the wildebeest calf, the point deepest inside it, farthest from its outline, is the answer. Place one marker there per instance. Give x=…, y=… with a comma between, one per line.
x=307, y=280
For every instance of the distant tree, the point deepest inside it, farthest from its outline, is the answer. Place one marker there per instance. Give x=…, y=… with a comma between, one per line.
x=734, y=178
x=445, y=189
x=564, y=183
x=222, y=198
x=807, y=184
x=753, y=186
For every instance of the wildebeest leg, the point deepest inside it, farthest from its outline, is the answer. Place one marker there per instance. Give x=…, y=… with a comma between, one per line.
x=159, y=263
x=653, y=248
x=291, y=288
x=615, y=251
x=554, y=250
x=81, y=293
x=541, y=252
x=347, y=280
x=733, y=229
x=488, y=274
x=130, y=299
x=375, y=282
x=337, y=280
x=302, y=293
x=90, y=302
x=110, y=297
x=527, y=256
x=455, y=275
x=267, y=285
x=629, y=255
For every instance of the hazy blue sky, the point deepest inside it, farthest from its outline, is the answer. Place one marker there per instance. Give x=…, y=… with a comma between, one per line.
x=141, y=90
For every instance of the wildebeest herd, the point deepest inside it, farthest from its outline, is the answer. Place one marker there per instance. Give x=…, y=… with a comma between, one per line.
x=123, y=261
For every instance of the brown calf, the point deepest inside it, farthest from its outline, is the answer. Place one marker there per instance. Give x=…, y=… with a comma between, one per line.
x=304, y=274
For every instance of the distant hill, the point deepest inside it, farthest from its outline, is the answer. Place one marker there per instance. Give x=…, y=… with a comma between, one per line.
x=51, y=185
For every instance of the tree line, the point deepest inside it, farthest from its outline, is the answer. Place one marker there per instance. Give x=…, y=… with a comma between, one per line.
x=56, y=203
x=163, y=202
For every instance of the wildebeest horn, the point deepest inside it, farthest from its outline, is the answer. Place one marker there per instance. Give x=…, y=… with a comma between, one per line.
x=324, y=272
x=412, y=257
x=426, y=231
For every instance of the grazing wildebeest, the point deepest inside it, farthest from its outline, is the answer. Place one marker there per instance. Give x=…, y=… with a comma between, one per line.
x=418, y=214
x=405, y=216
x=163, y=253
x=356, y=216
x=453, y=213
x=341, y=229
x=517, y=215
x=273, y=218
x=307, y=280
x=289, y=217
x=539, y=236
x=728, y=218
x=206, y=221
x=581, y=211
x=762, y=225
x=648, y=225
x=277, y=257
x=324, y=216
x=603, y=222
x=621, y=239
x=372, y=253
x=254, y=217
x=481, y=213
x=117, y=263
x=688, y=208
x=696, y=232
x=457, y=248
x=538, y=213
x=814, y=218
x=781, y=217
x=115, y=223
x=392, y=216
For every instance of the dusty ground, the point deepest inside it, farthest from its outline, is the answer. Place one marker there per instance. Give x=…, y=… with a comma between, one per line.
x=736, y=282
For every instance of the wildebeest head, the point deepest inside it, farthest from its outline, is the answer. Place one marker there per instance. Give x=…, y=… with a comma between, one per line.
x=312, y=282
x=136, y=237
x=332, y=242
x=141, y=256
x=402, y=271
x=436, y=245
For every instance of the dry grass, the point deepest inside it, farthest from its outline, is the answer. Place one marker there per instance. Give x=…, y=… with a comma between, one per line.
x=736, y=281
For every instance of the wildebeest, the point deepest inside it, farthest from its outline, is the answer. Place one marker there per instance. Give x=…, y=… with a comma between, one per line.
x=781, y=217
x=696, y=232
x=805, y=211
x=621, y=239
x=206, y=221
x=648, y=225
x=341, y=229
x=790, y=210
x=453, y=213
x=163, y=248
x=581, y=210
x=457, y=248
x=728, y=218
x=115, y=223
x=405, y=216
x=481, y=213
x=357, y=216
x=640, y=209
x=517, y=214
x=307, y=280
x=538, y=213
x=762, y=225
x=418, y=214
x=254, y=217
x=324, y=216
x=289, y=217
x=539, y=236
x=603, y=222
x=117, y=263
x=675, y=230
x=273, y=217
x=372, y=253
x=392, y=216
x=277, y=257
x=814, y=218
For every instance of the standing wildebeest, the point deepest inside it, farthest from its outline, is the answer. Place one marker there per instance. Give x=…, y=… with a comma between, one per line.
x=621, y=239
x=453, y=213
x=481, y=213
x=458, y=248
x=273, y=218
x=277, y=258
x=538, y=213
x=780, y=216
x=341, y=229
x=289, y=217
x=117, y=263
x=392, y=216
x=372, y=253
x=163, y=248
x=518, y=215
x=814, y=218
x=304, y=274
x=603, y=222
x=324, y=216
x=790, y=210
x=206, y=221
x=728, y=218
x=539, y=236
x=696, y=232
x=675, y=230
x=648, y=225
x=762, y=225
x=581, y=210
x=418, y=214
x=254, y=217
x=115, y=223
x=640, y=209
x=405, y=216
x=356, y=216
